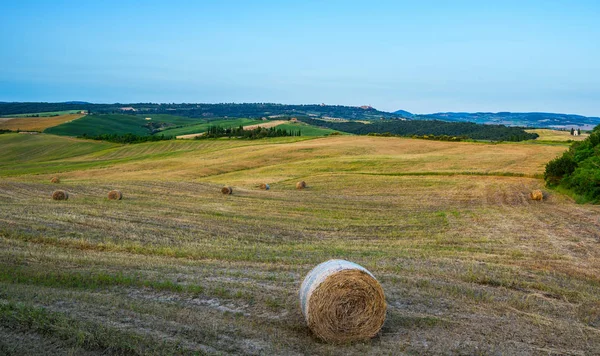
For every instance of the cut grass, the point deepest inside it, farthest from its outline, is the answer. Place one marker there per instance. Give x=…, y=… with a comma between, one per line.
x=447, y=228
x=36, y=123
x=557, y=135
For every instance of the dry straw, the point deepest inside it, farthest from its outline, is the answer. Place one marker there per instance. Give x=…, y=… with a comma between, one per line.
x=265, y=186
x=536, y=195
x=301, y=185
x=115, y=195
x=226, y=190
x=342, y=302
x=60, y=195
x=55, y=180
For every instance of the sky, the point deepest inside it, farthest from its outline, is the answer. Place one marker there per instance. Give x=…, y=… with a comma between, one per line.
x=419, y=56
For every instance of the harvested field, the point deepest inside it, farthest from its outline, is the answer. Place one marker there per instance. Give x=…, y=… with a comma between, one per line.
x=557, y=135
x=468, y=263
x=36, y=123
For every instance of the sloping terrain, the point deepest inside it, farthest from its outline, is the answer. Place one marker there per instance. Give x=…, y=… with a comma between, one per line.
x=468, y=263
x=36, y=123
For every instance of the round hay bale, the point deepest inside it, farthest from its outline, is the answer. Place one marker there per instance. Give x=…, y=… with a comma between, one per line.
x=115, y=195
x=301, y=185
x=536, y=195
x=342, y=302
x=265, y=186
x=55, y=180
x=60, y=195
x=226, y=190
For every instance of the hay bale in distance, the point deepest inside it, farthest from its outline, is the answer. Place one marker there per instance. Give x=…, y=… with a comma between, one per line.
x=265, y=186
x=536, y=195
x=55, y=180
x=342, y=302
x=60, y=195
x=115, y=195
x=301, y=185
x=227, y=190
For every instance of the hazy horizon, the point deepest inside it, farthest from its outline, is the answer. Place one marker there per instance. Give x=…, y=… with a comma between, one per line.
x=429, y=57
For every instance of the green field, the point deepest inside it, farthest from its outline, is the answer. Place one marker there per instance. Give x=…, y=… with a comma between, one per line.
x=46, y=114
x=468, y=263
x=115, y=124
x=307, y=130
x=205, y=124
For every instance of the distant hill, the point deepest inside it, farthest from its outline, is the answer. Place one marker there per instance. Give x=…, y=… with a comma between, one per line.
x=532, y=119
x=246, y=110
x=404, y=113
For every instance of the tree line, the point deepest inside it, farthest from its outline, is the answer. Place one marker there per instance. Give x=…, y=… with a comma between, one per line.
x=126, y=138
x=578, y=169
x=217, y=131
x=436, y=128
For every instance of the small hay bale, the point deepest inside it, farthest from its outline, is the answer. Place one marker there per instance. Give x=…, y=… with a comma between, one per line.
x=60, y=195
x=226, y=190
x=301, y=185
x=536, y=195
x=265, y=186
x=55, y=180
x=115, y=195
x=342, y=302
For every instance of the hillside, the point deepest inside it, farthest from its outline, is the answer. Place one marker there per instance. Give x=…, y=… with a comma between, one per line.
x=534, y=119
x=248, y=110
x=176, y=267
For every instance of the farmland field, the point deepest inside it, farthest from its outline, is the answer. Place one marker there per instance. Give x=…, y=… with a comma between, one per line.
x=47, y=114
x=468, y=263
x=556, y=135
x=116, y=124
x=204, y=125
x=36, y=123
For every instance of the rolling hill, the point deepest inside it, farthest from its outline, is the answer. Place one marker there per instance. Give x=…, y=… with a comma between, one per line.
x=467, y=261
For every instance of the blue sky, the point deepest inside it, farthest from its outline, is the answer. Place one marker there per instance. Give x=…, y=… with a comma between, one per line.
x=420, y=56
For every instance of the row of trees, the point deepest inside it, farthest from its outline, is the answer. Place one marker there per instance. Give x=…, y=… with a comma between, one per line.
x=578, y=169
x=428, y=128
x=239, y=132
x=126, y=138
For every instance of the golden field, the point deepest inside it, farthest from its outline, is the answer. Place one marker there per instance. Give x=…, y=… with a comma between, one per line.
x=36, y=123
x=468, y=263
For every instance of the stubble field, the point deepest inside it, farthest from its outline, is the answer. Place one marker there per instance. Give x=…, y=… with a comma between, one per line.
x=468, y=263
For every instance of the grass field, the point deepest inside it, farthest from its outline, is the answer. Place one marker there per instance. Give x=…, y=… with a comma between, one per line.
x=468, y=263
x=204, y=125
x=47, y=114
x=307, y=130
x=36, y=123
x=115, y=124
x=557, y=135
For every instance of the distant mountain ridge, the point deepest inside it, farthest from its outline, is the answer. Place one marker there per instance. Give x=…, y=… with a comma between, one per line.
x=527, y=119
x=272, y=110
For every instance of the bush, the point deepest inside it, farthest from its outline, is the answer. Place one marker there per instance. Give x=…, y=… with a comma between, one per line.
x=578, y=169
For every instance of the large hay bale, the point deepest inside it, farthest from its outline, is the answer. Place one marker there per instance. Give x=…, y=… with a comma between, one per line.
x=226, y=190
x=265, y=186
x=536, y=195
x=60, y=195
x=55, y=180
x=301, y=185
x=342, y=302
x=115, y=195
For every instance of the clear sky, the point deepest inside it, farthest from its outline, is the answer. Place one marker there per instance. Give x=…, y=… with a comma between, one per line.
x=420, y=56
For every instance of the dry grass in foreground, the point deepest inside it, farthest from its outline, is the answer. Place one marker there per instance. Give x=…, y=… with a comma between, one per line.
x=36, y=123
x=469, y=264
